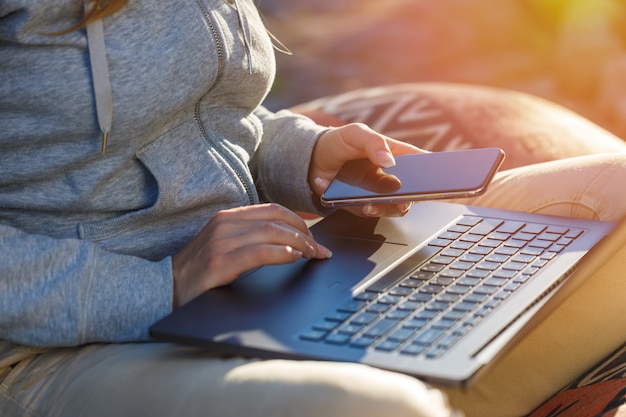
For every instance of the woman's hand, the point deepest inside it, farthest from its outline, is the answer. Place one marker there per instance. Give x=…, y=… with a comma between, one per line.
x=340, y=145
x=237, y=240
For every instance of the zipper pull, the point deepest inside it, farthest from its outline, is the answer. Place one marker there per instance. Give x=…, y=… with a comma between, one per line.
x=100, y=75
x=103, y=148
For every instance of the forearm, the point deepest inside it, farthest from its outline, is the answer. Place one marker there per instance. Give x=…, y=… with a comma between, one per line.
x=281, y=163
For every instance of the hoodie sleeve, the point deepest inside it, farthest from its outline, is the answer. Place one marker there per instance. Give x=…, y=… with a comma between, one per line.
x=70, y=292
x=281, y=163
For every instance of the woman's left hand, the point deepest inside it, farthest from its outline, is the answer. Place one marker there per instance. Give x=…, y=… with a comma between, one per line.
x=354, y=141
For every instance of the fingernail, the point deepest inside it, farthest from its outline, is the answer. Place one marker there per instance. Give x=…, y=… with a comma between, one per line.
x=369, y=210
x=321, y=183
x=324, y=251
x=385, y=159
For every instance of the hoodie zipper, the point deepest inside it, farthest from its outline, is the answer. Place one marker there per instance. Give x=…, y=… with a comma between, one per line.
x=196, y=110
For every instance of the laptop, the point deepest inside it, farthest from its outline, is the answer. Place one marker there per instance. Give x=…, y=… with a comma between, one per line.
x=438, y=294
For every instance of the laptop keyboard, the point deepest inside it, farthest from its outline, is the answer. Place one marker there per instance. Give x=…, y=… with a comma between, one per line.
x=430, y=301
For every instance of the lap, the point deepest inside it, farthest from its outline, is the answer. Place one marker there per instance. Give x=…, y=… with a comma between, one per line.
x=159, y=379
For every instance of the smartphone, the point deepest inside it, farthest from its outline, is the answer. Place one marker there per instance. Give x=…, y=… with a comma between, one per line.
x=415, y=177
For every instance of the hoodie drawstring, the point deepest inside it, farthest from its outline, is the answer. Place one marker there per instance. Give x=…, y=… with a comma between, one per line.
x=243, y=25
x=100, y=68
x=100, y=75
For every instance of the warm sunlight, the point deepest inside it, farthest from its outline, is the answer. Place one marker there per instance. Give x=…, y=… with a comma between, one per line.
x=569, y=51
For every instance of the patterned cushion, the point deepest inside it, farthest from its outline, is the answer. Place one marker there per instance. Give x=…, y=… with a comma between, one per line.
x=599, y=392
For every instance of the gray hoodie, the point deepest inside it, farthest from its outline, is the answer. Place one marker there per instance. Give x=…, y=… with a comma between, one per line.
x=86, y=238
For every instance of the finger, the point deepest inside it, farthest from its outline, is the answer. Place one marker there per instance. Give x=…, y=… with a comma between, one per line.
x=320, y=185
x=262, y=212
x=386, y=210
x=224, y=267
x=225, y=249
x=399, y=147
x=265, y=254
x=377, y=147
x=277, y=233
x=265, y=223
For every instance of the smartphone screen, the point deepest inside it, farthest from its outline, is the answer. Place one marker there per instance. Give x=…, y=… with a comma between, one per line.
x=415, y=177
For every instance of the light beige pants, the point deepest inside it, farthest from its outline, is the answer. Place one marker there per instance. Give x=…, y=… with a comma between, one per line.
x=162, y=380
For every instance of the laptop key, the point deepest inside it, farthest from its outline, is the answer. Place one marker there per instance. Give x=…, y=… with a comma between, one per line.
x=449, y=340
x=364, y=318
x=450, y=235
x=510, y=226
x=486, y=226
x=417, y=276
x=337, y=338
x=349, y=328
x=351, y=306
x=365, y=296
x=401, y=291
x=338, y=316
x=534, y=228
x=561, y=230
x=400, y=272
x=325, y=325
x=447, y=297
x=412, y=349
x=574, y=233
x=389, y=299
x=409, y=305
x=421, y=297
x=402, y=334
x=362, y=342
x=416, y=323
x=378, y=308
x=380, y=328
x=397, y=314
x=387, y=345
x=436, y=352
x=313, y=335
x=428, y=336
x=469, y=220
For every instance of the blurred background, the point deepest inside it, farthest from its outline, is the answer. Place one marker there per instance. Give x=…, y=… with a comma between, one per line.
x=572, y=52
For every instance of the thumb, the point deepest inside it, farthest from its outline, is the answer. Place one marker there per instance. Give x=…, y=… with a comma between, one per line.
x=320, y=185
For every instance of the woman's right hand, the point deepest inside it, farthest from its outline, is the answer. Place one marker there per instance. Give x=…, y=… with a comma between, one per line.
x=237, y=240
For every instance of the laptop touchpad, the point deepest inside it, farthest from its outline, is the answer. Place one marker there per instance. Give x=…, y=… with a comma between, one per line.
x=353, y=259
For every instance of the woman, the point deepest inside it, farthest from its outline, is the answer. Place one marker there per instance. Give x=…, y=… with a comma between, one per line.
x=135, y=156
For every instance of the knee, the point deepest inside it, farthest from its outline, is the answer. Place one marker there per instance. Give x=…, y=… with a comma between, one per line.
x=334, y=389
x=588, y=186
x=606, y=176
